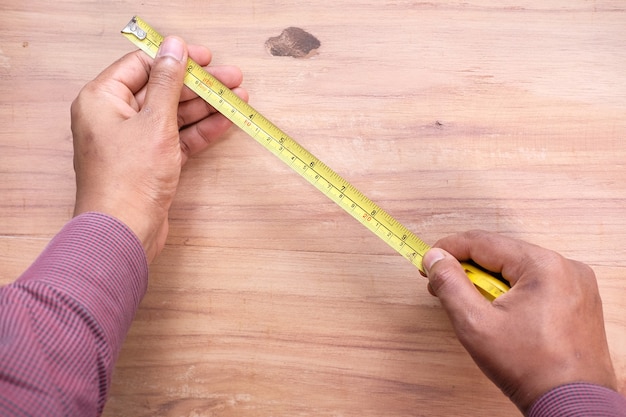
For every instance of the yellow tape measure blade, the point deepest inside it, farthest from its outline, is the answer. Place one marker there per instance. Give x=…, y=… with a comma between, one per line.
x=340, y=191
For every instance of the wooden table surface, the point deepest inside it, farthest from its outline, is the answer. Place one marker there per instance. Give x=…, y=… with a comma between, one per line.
x=268, y=300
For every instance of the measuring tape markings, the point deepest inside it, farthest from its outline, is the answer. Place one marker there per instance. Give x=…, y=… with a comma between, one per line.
x=303, y=162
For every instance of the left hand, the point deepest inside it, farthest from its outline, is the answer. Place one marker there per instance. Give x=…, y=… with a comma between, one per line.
x=134, y=127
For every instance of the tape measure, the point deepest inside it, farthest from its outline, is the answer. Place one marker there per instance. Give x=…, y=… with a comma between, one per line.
x=344, y=194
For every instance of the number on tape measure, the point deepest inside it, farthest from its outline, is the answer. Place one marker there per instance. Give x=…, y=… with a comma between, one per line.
x=303, y=162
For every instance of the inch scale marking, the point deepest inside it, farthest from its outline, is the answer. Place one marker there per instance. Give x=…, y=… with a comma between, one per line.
x=344, y=194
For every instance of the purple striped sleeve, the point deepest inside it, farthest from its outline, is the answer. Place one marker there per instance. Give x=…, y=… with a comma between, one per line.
x=63, y=322
x=580, y=400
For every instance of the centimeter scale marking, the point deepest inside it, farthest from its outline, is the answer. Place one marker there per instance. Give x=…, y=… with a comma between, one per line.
x=304, y=163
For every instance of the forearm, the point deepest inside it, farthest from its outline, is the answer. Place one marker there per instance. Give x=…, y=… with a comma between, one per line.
x=63, y=322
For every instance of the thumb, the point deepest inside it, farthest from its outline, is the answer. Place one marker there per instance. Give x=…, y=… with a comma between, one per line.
x=448, y=281
x=166, y=80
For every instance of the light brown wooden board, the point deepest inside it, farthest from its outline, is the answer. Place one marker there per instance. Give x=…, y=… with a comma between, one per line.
x=270, y=301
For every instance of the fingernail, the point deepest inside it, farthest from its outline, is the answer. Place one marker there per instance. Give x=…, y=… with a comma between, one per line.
x=432, y=257
x=172, y=47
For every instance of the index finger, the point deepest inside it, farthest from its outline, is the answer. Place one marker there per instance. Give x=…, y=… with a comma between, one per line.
x=494, y=252
x=130, y=71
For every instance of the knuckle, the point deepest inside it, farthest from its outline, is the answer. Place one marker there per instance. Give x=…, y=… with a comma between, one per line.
x=476, y=233
x=549, y=259
x=209, y=108
x=569, y=275
x=586, y=276
x=185, y=148
x=164, y=77
x=440, y=275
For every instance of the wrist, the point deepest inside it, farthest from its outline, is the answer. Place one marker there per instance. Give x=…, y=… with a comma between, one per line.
x=145, y=227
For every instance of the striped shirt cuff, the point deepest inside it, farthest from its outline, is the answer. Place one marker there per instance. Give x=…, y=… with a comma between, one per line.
x=580, y=400
x=99, y=262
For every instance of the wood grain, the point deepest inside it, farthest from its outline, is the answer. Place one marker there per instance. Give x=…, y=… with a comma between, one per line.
x=270, y=301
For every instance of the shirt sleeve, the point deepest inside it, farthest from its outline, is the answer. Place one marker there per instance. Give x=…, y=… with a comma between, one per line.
x=63, y=322
x=580, y=400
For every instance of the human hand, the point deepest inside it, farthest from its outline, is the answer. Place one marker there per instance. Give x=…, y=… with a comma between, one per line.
x=547, y=331
x=134, y=127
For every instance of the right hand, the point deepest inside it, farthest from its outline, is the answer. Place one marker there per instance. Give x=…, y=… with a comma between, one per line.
x=547, y=331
